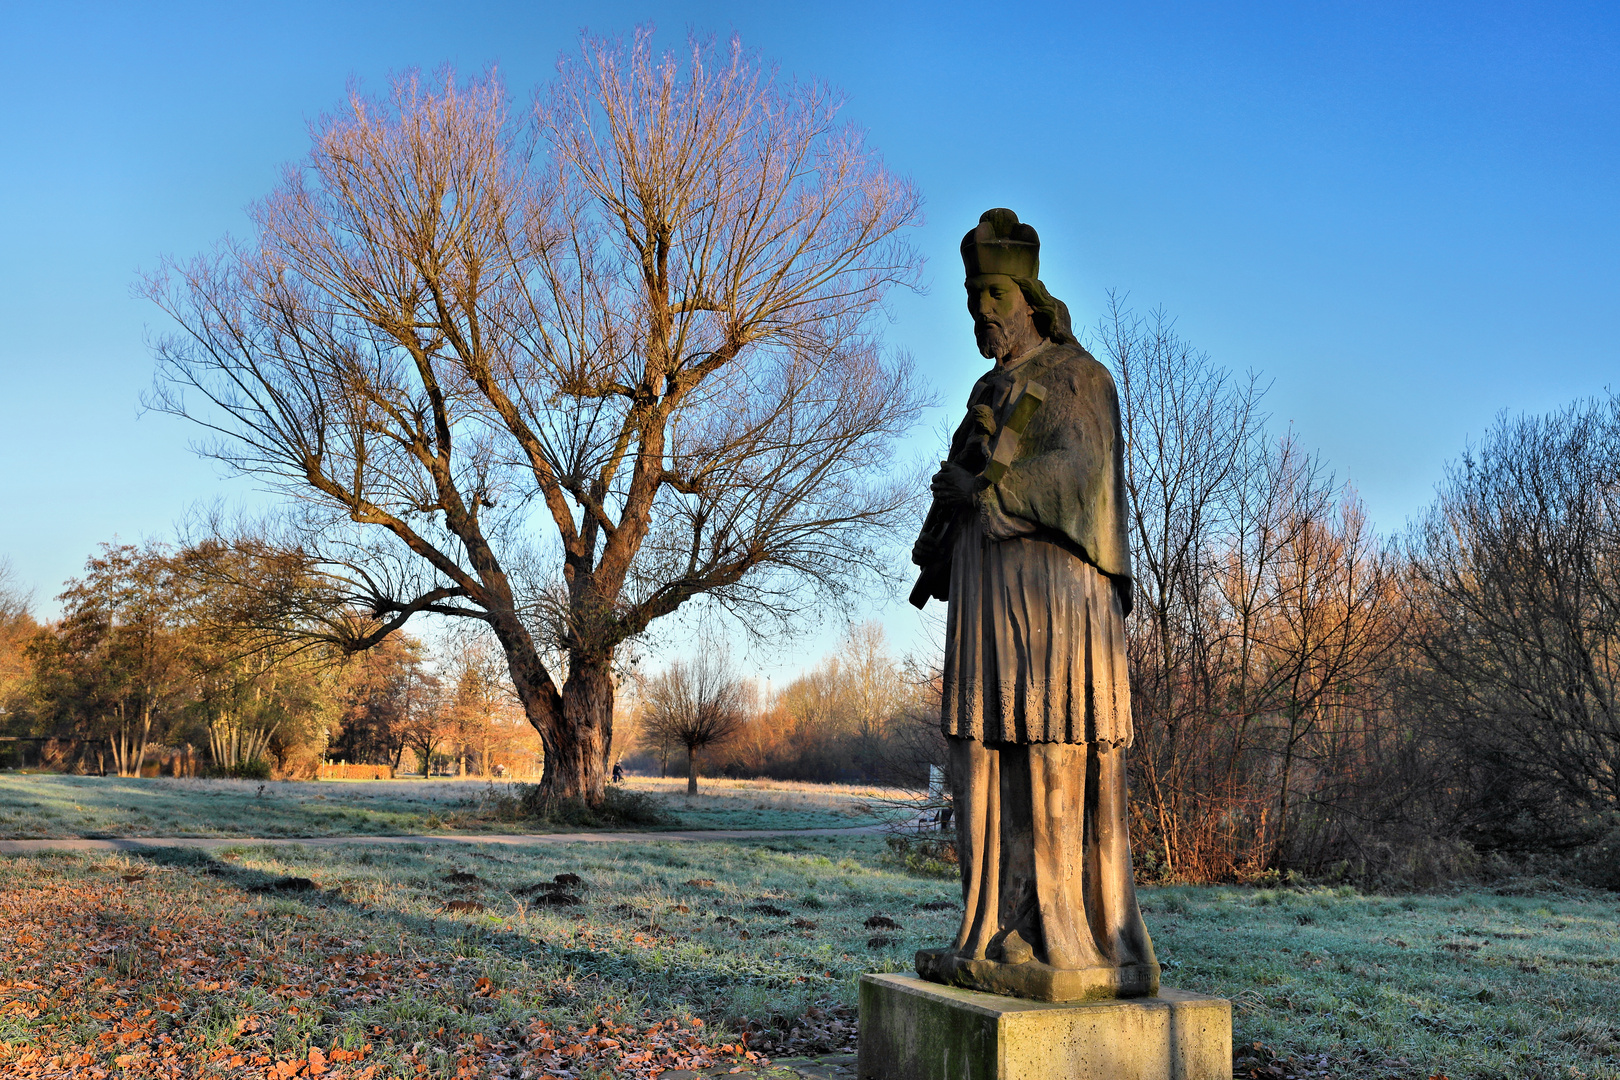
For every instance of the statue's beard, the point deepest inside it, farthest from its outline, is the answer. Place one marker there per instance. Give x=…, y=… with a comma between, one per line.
x=997, y=341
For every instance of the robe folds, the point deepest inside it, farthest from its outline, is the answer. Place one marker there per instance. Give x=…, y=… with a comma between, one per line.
x=1035, y=645
x=1036, y=702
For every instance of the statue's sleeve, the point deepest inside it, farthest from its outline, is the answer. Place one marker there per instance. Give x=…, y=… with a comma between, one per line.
x=1069, y=472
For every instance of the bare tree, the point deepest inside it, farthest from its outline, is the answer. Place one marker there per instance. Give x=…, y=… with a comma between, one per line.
x=875, y=681
x=1263, y=606
x=478, y=674
x=695, y=703
x=563, y=376
x=426, y=717
x=1191, y=433
x=15, y=600
x=1514, y=582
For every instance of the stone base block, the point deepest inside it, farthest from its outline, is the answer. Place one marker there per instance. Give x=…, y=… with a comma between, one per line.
x=917, y=1030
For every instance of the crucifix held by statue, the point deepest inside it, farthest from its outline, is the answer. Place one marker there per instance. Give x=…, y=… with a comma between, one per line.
x=1026, y=543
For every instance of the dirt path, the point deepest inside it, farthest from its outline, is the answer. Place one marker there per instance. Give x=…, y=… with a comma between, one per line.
x=136, y=843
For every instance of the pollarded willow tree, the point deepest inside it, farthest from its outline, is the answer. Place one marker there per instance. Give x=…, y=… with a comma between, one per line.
x=563, y=371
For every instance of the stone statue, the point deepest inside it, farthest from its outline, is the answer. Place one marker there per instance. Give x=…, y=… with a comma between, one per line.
x=1026, y=541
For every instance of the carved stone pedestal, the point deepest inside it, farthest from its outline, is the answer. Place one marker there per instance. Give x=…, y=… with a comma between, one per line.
x=917, y=1030
x=1035, y=980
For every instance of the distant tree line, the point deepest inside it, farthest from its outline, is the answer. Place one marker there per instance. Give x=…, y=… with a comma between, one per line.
x=164, y=660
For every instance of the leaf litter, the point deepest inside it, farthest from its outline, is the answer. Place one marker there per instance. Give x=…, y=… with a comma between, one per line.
x=111, y=985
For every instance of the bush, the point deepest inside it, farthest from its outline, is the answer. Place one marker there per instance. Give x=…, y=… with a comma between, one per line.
x=619, y=809
x=256, y=769
x=922, y=857
x=1597, y=865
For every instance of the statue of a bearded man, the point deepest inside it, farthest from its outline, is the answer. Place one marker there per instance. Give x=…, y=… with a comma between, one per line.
x=1027, y=542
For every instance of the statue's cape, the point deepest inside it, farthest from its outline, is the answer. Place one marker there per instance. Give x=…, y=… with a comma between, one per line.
x=1068, y=477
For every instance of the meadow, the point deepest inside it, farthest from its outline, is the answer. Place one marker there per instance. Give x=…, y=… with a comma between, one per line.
x=1512, y=982
x=50, y=805
x=630, y=959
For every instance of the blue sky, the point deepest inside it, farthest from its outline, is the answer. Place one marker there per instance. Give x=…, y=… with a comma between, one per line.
x=1404, y=215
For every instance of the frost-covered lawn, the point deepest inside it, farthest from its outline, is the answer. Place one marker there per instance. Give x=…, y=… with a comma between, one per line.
x=43, y=805
x=1467, y=984
x=417, y=958
x=436, y=957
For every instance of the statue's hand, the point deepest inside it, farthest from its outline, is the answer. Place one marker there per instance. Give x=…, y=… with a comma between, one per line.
x=926, y=551
x=954, y=484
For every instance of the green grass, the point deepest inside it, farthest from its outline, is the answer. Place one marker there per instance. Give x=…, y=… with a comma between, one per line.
x=36, y=805
x=768, y=804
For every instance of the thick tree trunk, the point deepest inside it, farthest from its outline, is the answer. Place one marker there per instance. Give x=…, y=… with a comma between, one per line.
x=691, y=771
x=542, y=705
x=576, y=757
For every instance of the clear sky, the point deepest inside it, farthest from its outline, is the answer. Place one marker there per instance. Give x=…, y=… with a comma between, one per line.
x=1405, y=215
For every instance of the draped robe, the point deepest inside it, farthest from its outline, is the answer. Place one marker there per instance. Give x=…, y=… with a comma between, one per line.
x=1036, y=704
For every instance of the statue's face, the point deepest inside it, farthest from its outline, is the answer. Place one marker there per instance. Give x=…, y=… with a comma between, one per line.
x=1003, y=324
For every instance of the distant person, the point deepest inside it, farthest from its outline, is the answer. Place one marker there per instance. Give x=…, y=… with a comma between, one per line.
x=618, y=772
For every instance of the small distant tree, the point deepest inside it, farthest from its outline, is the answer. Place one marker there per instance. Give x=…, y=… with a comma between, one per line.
x=697, y=704
x=429, y=720
x=480, y=690
x=17, y=629
x=875, y=688
x=115, y=670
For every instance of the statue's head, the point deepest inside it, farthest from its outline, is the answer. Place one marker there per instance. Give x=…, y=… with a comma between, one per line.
x=1011, y=309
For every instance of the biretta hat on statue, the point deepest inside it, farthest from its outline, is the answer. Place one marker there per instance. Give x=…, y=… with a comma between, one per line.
x=1001, y=244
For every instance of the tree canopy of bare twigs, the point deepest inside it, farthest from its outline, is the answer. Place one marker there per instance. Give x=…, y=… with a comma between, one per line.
x=563, y=371
x=695, y=703
x=1263, y=604
x=1514, y=581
